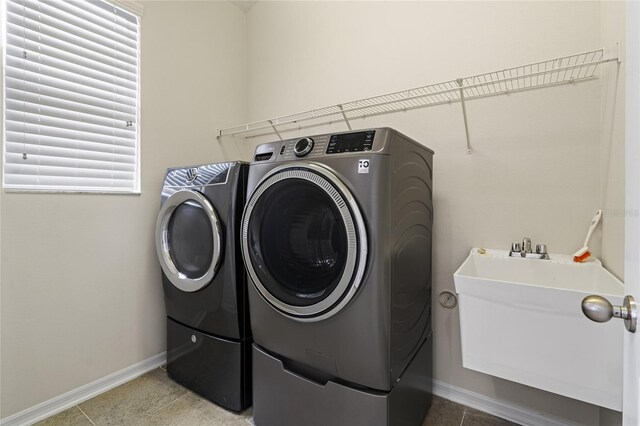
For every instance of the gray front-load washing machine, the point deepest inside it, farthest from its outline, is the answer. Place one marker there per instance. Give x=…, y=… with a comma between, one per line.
x=336, y=237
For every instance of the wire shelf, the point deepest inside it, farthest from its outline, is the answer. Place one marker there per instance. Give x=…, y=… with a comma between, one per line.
x=553, y=72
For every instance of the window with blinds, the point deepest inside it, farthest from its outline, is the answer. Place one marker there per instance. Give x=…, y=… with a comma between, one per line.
x=71, y=92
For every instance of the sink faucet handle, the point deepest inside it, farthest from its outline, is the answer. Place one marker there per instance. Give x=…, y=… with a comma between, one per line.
x=515, y=247
x=541, y=248
x=526, y=245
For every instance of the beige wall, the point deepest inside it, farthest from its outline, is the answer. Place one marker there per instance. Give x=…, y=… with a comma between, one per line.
x=81, y=295
x=612, y=173
x=536, y=166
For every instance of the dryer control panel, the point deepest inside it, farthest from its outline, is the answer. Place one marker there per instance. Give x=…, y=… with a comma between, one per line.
x=193, y=176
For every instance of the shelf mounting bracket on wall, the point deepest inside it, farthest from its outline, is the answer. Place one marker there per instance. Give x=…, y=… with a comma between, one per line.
x=464, y=114
x=346, y=120
x=553, y=72
x=273, y=126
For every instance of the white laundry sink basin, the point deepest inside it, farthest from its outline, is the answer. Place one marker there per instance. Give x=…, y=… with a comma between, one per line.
x=521, y=320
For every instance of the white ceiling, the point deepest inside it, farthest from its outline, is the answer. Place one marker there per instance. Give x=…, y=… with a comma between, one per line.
x=244, y=5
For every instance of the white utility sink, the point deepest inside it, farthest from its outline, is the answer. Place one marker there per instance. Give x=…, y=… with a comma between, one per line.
x=521, y=320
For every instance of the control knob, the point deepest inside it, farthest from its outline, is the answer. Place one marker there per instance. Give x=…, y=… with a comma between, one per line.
x=303, y=147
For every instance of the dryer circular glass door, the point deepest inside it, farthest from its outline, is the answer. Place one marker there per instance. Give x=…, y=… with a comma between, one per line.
x=188, y=240
x=304, y=241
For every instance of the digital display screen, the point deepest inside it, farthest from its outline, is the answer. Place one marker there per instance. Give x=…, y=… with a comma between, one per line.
x=351, y=142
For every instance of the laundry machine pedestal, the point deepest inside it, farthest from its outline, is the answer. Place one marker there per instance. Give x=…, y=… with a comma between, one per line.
x=218, y=369
x=285, y=398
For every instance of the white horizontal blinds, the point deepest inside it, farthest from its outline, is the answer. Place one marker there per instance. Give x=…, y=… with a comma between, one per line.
x=71, y=96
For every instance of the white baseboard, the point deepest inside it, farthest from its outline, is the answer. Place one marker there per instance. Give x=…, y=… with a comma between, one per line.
x=88, y=391
x=514, y=413
x=505, y=410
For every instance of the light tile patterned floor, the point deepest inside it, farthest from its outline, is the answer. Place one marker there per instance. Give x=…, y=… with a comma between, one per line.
x=154, y=399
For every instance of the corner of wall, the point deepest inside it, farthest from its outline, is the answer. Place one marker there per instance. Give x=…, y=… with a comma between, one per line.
x=612, y=32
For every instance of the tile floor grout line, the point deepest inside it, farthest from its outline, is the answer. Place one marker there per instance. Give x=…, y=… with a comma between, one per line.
x=463, y=414
x=85, y=414
x=151, y=413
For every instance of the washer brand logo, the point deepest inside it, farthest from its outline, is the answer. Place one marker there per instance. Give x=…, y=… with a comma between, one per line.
x=192, y=174
x=363, y=166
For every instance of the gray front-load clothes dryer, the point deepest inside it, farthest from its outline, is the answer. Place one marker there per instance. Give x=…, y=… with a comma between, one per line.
x=204, y=281
x=336, y=237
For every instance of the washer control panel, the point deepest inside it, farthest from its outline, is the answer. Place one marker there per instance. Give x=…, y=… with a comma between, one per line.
x=299, y=148
x=318, y=146
x=303, y=147
x=351, y=142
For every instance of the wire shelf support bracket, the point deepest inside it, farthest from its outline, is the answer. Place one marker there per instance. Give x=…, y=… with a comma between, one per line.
x=460, y=82
x=553, y=72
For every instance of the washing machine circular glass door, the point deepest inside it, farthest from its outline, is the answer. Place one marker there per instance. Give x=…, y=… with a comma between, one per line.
x=188, y=240
x=304, y=241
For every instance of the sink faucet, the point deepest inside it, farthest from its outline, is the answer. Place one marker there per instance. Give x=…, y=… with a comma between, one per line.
x=525, y=250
